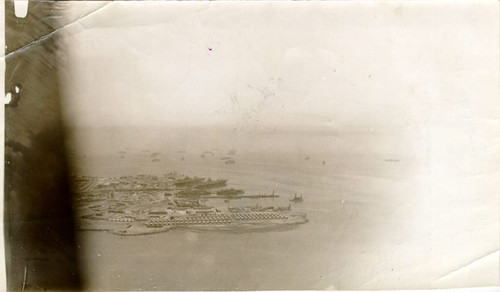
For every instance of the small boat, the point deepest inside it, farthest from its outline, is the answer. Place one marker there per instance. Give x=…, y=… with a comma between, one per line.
x=296, y=198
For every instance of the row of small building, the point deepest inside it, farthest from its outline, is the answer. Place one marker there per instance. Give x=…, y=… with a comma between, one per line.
x=121, y=219
x=257, y=216
x=213, y=219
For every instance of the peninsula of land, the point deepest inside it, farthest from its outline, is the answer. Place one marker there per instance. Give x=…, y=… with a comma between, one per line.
x=146, y=204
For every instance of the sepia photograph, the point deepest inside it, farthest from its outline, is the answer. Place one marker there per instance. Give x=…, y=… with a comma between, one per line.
x=224, y=146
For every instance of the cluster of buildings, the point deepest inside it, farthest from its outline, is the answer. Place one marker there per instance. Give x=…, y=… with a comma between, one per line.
x=144, y=197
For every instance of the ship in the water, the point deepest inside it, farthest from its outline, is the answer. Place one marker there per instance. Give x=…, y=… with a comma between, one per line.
x=296, y=198
x=193, y=193
x=230, y=192
x=188, y=182
x=211, y=184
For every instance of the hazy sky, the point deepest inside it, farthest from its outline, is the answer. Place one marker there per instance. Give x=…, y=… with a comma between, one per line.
x=414, y=81
x=328, y=65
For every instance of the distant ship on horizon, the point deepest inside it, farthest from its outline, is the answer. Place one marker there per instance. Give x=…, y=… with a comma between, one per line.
x=296, y=198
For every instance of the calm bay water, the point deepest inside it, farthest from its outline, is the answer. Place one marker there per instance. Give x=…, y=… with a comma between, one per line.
x=355, y=206
x=345, y=210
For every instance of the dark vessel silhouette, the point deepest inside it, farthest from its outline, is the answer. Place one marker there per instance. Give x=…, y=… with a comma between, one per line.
x=230, y=192
x=209, y=184
x=188, y=182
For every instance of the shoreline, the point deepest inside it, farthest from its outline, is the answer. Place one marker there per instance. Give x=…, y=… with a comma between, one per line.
x=139, y=228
